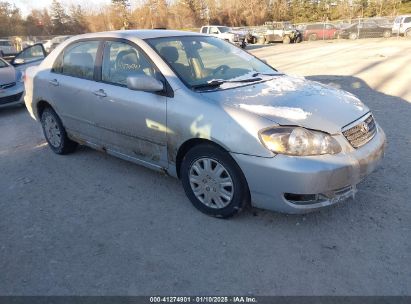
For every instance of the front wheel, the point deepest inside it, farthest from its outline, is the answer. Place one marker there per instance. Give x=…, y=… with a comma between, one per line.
x=353, y=36
x=55, y=133
x=408, y=34
x=213, y=181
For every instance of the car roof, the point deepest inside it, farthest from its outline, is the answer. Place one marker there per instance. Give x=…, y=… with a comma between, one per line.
x=142, y=34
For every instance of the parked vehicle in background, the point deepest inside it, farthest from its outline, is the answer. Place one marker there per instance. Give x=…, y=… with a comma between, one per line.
x=47, y=44
x=232, y=128
x=7, y=47
x=56, y=41
x=281, y=32
x=317, y=31
x=12, y=74
x=225, y=33
x=366, y=29
x=251, y=37
x=402, y=26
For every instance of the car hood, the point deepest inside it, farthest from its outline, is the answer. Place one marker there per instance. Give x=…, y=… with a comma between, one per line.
x=289, y=100
x=7, y=75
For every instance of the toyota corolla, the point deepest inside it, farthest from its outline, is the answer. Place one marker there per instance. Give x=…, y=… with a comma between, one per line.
x=234, y=129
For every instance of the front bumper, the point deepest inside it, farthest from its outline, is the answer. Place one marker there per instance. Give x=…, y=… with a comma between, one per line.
x=12, y=95
x=332, y=178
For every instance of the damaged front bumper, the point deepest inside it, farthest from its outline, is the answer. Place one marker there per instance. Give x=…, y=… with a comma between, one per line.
x=294, y=184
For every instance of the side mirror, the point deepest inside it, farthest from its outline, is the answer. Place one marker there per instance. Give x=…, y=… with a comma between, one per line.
x=18, y=61
x=144, y=83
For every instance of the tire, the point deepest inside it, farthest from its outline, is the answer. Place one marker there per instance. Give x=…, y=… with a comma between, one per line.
x=386, y=34
x=353, y=36
x=407, y=34
x=286, y=39
x=299, y=39
x=254, y=40
x=1, y=54
x=55, y=133
x=211, y=198
x=312, y=37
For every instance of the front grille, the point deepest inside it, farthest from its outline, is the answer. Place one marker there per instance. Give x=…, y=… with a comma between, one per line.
x=11, y=98
x=7, y=85
x=361, y=132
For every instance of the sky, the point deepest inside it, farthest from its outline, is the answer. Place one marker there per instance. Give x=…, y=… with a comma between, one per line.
x=27, y=5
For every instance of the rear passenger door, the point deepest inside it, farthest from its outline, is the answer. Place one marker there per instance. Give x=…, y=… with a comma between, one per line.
x=72, y=86
x=131, y=123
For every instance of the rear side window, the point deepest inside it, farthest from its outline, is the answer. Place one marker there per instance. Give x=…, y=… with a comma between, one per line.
x=407, y=20
x=204, y=30
x=77, y=60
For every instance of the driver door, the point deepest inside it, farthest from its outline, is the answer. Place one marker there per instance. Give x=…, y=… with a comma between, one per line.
x=131, y=124
x=30, y=56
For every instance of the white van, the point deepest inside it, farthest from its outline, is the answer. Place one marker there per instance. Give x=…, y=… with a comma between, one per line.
x=402, y=26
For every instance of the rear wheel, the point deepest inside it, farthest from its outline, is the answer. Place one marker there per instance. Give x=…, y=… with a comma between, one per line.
x=55, y=133
x=408, y=33
x=312, y=37
x=213, y=181
x=254, y=40
x=387, y=34
x=353, y=36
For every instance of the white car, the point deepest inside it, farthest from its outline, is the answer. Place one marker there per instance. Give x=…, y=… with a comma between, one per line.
x=12, y=74
x=225, y=33
x=402, y=26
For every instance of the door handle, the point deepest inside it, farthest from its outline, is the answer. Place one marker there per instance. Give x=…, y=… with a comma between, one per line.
x=54, y=82
x=100, y=93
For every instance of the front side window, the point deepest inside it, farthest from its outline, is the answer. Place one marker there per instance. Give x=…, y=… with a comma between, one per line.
x=197, y=60
x=78, y=60
x=407, y=20
x=121, y=60
x=204, y=30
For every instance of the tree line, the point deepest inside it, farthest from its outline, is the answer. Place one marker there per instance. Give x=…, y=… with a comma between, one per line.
x=185, y=14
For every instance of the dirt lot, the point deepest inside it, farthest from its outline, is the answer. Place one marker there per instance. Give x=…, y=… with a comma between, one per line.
x=89, y=223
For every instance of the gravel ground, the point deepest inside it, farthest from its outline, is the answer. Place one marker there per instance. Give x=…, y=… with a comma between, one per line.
x=91, y=224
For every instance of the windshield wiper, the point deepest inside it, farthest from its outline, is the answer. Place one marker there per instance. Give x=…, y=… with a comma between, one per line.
x=267, y=74
x=214, y=83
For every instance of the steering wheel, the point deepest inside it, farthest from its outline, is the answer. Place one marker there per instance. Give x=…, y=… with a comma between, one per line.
x=220, y=69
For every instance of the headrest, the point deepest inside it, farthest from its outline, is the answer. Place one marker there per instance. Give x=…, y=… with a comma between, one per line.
x=170, y=53
x=81, y=59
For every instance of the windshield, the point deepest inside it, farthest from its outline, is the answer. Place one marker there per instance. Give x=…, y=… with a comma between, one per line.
x=198, y=60
x=3, y=64
x=224, y=29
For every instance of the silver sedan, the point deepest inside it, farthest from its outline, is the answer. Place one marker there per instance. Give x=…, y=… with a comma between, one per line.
x=235, y=130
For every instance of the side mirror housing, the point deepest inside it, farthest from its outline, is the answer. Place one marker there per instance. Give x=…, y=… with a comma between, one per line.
x=18, y=61
x=144, y=83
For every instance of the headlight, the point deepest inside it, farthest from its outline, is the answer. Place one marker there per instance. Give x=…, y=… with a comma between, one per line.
x=298, y=141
